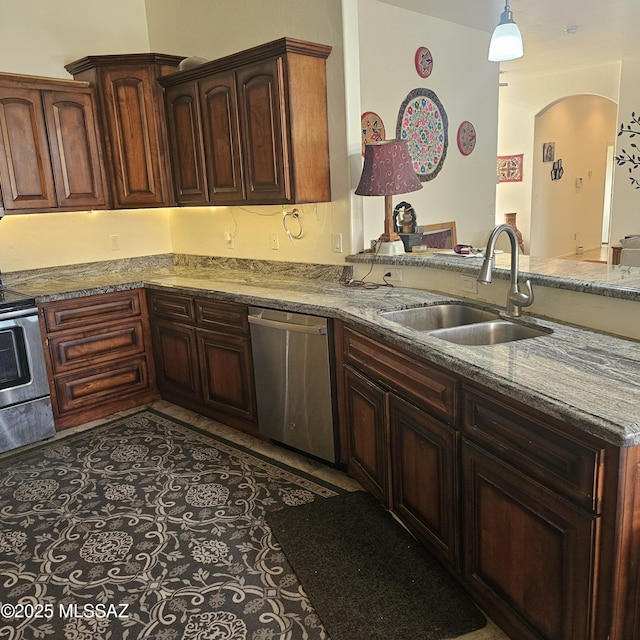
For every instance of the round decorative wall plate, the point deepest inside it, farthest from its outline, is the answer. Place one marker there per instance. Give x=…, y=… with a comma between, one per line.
x=424, y=62
x=423, y=123
x=372, y=128
x=466, y=138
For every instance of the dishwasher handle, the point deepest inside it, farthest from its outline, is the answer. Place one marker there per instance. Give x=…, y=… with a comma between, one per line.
x=318, y=330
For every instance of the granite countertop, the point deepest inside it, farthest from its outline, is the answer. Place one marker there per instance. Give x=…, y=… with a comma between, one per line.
x=614, y=281
x=588, y=379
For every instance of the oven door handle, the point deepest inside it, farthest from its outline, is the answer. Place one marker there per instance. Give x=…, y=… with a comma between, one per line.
x=20, y=313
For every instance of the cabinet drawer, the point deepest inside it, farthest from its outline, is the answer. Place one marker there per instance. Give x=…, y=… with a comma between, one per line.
x=98, y=385
x=425, y=385
x=81, y=312
x=96, y=346
x=227, y=317
x=171, y=306
x=567, y=464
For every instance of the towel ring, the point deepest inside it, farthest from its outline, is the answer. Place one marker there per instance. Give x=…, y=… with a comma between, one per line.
x=295, y=214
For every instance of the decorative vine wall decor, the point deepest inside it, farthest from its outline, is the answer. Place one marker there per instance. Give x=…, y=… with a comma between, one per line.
x=632, y=129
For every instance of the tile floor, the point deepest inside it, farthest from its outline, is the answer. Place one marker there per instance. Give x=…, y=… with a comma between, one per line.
x=601, y=254
x=312, y=467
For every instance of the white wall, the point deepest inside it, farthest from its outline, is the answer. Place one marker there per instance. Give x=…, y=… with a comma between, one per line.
x=38, y=38
x=567, y=213
x=72, y=237
x=625, y=218
x=466, y=84
x=211, y=30
x=520, y=102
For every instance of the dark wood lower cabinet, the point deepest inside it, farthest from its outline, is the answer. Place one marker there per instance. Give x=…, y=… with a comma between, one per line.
x=424, y=471
x=115, y=383
x=204, y=360
x=227, y=373
x=537, y=518
x=98, y=355
x=368, y=434
x=527, y=551
x=177, y=368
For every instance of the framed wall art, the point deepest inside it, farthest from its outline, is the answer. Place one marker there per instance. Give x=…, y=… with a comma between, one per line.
x=510, y=168
x=439, y=236
x=548, y=152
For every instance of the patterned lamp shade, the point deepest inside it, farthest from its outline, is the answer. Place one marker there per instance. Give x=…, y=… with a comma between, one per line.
x=387, y=170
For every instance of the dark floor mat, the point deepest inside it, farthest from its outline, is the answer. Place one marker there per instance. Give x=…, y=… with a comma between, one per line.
x=367, y=577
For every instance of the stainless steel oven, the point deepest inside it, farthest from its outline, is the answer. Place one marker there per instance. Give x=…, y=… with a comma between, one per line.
x=25, y=404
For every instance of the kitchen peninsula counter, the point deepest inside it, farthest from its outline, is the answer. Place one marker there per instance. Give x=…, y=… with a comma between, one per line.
x=612, y=281
x=588, y=379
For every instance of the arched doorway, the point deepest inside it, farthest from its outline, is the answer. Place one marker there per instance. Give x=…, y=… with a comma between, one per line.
x=567, y=207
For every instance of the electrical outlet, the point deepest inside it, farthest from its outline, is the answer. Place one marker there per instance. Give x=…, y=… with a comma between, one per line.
x=275, y=241
x=337, y=243
x=115, y=242
x=228, y=238
x=394, y=274
x=468, y=284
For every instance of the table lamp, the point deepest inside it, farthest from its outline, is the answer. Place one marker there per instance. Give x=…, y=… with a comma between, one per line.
x=387, y=172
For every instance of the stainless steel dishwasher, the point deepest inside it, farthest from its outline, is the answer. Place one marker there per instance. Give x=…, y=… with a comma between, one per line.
x=293, y=380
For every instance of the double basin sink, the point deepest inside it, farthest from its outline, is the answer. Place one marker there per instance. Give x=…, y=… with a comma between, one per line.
x=462, y=324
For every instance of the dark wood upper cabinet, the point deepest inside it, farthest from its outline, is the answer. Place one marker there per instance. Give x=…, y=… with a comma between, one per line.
x=50, y=151
x=265, y=142
x=133, y=122
x=258, y=131
x=76, y=155
x=221, y=136
x=187, y=156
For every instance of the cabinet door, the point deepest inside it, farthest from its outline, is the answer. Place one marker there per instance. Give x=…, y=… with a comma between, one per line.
x=135, y=137
x=76, y=156
x=221, y=133
x=176, y=355
x=529, y=554
x=262, y=108
x=227, y=373
x=185, y=143
x=366, y=408
x=424, y=472
x=26, y=175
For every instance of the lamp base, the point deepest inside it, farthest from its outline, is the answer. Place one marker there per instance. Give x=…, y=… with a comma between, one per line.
x=395, y=248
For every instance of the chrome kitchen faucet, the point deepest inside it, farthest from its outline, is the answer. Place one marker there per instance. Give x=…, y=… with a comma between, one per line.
x=515, y=298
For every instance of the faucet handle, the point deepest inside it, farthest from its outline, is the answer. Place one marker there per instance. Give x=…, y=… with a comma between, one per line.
x=524, y=298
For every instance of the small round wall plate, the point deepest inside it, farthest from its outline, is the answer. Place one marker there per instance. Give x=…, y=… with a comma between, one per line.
x=372, y=128
x=424, y=62
x=466, y=138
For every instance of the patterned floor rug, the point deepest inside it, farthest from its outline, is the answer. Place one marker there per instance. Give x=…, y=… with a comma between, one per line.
x=147, y=528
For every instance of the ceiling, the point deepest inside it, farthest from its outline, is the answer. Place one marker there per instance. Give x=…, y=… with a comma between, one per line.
x=606, y=30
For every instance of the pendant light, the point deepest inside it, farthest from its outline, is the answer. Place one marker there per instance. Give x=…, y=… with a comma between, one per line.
x=506, y=41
